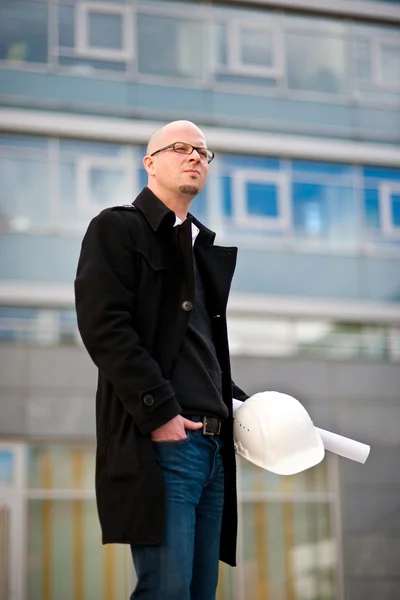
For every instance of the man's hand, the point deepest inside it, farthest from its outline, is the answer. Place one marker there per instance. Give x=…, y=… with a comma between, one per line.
x=174, y=429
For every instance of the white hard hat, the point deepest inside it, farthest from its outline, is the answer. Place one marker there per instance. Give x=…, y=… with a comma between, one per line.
x=274, y=431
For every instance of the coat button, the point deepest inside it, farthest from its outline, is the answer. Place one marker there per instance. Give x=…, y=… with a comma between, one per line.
x=148, y=400
x=187, y=305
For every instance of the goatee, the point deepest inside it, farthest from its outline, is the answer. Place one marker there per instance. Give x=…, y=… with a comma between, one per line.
x=190, y=190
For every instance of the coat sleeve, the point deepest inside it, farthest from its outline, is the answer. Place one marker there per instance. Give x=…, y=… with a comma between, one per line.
x=104, y=295
x=238, y=393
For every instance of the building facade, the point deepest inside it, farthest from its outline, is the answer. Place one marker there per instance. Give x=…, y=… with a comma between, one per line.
x=300, y=100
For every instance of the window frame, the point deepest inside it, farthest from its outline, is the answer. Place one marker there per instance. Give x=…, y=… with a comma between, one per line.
x=84, y=164
x=235, y=64
x=82, y=46
x=240, y=216
x=376, y=49
x=385, y=191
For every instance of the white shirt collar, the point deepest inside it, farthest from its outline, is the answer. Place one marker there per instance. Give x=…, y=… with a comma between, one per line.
x=195, y=229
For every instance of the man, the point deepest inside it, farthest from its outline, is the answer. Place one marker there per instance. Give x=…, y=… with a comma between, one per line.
x=151, y=295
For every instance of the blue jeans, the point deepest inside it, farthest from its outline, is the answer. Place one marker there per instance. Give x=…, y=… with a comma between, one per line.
x=185, y=565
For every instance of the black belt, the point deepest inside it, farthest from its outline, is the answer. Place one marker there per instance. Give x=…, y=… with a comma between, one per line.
x=211, y=425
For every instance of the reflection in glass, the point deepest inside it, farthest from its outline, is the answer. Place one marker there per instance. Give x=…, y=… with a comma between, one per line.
x=107, y=185
x=316, y=62
x=24, y=31
x=61, y=467
x=288, y=549
x=65, y=557
x=24, y=192
x=170, y=47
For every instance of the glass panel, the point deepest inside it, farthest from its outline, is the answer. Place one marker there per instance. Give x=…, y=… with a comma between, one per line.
x=262, y=199
x=395, y=209
x=4, y=552
x=65, y=557
x=257, y=47
x=61, y=467
x=78, y=147
x=171, y=47
x=106, y=185
x=390, y=63
x=105, y=30
x=24, y=192
x=66, y=26
x=316, y=62
x=288, y=551
x=363, y=60
x=23, y=141
x=324, y=211
x=6, y=467
x=23, y=31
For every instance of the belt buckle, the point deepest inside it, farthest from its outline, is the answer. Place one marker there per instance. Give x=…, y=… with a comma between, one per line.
x=205, y=432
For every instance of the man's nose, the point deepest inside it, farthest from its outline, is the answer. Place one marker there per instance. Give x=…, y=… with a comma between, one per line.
x=195, y=156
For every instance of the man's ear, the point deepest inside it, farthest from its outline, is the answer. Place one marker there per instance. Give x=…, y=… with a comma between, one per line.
x=148, y=164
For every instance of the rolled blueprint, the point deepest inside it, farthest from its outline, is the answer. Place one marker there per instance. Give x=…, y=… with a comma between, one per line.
x=344, y=446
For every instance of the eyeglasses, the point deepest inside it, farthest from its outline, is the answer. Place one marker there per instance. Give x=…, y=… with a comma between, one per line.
x=205, y=154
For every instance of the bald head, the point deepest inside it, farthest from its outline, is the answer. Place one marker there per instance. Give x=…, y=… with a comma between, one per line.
x=176, y=131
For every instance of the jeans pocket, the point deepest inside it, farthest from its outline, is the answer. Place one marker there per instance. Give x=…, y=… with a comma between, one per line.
x=171, y=443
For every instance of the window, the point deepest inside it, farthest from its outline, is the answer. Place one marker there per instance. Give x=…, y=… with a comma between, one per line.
x=249, y=50
x=24, y=31
x=95, y=36
x=6, y=467
x=65, y=558
x=316, y=56
x=170, y=47
x=390, y=208
x=388, y=66
x=323, y=202
x=25, y=177
x=61, y=184
x=103, y=31
x=377, y=62
x=260, y=200
x=381, y=197
x=287, y=536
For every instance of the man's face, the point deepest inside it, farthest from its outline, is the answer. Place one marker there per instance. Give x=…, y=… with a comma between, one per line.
x=176, y=173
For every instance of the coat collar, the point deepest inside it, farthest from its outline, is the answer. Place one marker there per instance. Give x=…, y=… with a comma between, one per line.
x=158, y=215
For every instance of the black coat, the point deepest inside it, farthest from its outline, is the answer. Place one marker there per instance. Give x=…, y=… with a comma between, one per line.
x=134, y=289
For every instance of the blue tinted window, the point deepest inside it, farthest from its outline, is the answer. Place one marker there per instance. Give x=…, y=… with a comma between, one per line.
x=249, y=162
x=395, y=209
x=382, y=173
x=371, y=207
x=6, y=466
x=309, y=209
x=23, y=31
x=23, y=141
x=303, y=166
x=226, y=196
x=324, y=210
x=262, y=199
